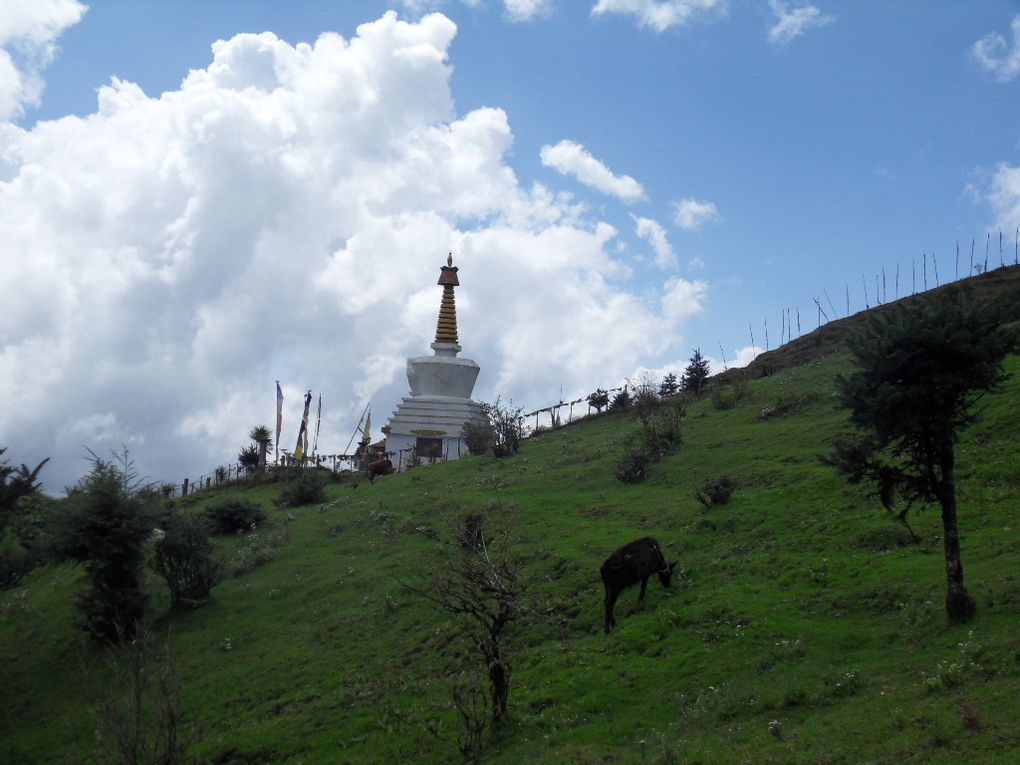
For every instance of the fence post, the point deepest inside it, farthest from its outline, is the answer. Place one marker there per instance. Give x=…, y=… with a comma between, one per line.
x=184, y=488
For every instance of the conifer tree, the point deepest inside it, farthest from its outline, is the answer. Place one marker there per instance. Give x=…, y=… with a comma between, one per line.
x=108, y=523
x=696, y=373
x=621, y=400
x=669, y=386
x=920, y=373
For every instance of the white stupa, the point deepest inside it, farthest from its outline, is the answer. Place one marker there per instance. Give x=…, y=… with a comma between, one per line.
x=428, y=422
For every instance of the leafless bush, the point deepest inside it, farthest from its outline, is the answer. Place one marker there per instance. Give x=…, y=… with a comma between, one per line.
x=481, y=586
x=137, y=714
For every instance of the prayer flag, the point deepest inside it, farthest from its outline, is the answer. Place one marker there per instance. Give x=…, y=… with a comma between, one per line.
x=302, y=439
x=279, y=418
x=318, y=421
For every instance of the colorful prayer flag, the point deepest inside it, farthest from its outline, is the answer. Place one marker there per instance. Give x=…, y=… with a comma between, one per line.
x=302, y=439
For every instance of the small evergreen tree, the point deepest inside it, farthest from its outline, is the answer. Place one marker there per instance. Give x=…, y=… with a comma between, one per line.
x=621, y=400
x=695, y=374
x=108, y=524
x=669, y=386
x=921, y=372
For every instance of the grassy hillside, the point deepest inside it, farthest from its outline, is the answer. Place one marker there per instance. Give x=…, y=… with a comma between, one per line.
x=800, y=604
x=1000, y=286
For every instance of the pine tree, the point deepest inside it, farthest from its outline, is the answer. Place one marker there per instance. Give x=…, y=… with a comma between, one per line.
x=621, y=400
x=108, y=523
x=921, y=372
x=696, y=373
x=669, y=386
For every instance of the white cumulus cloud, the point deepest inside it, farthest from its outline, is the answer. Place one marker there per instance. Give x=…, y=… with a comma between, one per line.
x=660, y=15
x=28, y=33
x=692, y=214
x=744, y=356
x=793, y=22
x=683, y=299
x=653, y=232
x=574, y=160
x=1004, y=195
x=526, y=10
x=996, y=55
x=283, y=215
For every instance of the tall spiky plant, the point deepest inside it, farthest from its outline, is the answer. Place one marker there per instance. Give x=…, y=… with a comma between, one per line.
x=263, y=438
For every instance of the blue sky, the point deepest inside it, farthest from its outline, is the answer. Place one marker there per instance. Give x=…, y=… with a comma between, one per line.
x=571, y=137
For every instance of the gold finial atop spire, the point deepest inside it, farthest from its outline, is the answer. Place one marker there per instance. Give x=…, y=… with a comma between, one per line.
x=446, y=328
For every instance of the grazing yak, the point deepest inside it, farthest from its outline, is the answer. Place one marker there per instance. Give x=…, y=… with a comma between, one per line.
x=634, y=562
x=377, y=468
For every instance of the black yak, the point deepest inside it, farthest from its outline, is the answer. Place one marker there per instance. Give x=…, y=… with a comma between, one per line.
x=377, y=468
x=633, y=563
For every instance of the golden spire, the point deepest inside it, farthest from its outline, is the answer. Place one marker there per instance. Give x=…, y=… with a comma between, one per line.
x=446, y=327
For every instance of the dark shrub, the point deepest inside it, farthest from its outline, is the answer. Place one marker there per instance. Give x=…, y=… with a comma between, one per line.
x=184, y=558
x=15, y=561
x=478, y=436
x=645, y=403
x=472, y=533
x=23, y=521
x=715, y=491
x=727, y=397
x=501, y=431
x=507, y=427
x=306, y=489
x=782, y=406
x=632, y=466
x=234, y=515
x=662, y=433
x=28, y=539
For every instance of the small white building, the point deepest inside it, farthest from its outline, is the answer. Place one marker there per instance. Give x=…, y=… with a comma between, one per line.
x=428, y=422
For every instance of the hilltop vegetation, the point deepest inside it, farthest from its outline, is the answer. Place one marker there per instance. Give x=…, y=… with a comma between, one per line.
x=803, y=624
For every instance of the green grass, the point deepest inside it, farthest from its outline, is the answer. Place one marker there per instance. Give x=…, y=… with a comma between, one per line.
x=800, y=602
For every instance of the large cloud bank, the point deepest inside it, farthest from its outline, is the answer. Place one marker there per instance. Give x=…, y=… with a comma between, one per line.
x=284, y=214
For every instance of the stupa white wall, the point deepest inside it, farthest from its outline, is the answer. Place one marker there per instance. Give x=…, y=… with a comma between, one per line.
x=428, y=422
